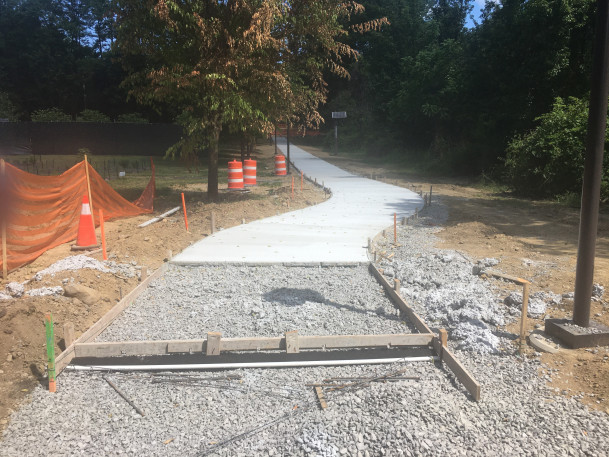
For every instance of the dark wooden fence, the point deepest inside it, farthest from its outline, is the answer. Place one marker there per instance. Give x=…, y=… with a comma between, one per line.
x=44, y=138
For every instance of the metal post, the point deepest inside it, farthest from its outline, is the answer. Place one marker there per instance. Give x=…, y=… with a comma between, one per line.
x=288, y=140
x=597, y=118
x=335, y=136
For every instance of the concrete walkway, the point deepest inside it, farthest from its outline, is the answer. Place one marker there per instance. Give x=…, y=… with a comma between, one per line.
x=333, y=232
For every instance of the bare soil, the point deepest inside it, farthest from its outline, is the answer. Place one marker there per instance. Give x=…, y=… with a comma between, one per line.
x=22, y=330
x=535, y=240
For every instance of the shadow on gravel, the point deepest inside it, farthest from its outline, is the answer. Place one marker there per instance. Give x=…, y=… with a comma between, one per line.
x=297, y=297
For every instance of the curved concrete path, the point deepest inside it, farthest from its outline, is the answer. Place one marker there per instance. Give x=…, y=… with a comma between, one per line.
x=333, y=232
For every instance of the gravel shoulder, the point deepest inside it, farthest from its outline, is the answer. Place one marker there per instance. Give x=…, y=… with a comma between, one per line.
x=518, y=414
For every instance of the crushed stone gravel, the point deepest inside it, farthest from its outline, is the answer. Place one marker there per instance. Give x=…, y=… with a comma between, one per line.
x=75, y=262
x=517, y=415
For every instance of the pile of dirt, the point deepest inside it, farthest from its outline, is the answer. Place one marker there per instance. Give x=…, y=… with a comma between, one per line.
x=22, y=334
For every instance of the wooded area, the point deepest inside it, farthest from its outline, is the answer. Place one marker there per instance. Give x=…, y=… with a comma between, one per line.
x=506, y=96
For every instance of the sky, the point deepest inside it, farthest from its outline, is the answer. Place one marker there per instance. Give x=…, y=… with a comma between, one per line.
x=478, y=5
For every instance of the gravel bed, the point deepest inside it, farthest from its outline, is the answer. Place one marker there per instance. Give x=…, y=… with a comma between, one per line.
x=241, y=301
x=517, y=416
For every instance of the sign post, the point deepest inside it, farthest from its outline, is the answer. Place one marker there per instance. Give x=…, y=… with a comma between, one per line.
x=336, y=115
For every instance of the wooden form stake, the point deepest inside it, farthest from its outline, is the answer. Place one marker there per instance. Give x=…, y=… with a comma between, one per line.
x=525, y=302
x=48, y=321
x=430, y=192
x=185, y=215
x=3, y=223
x=291, y=342
x=89, y=189
x=395, y=228
x=213, y=223
x=396, y=286
x=213, y=343
x=103, y=234
x=68, y=333
x=523, y=320
x=143, y=273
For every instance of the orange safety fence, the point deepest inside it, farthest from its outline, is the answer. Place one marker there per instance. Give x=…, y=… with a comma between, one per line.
x=38, y=213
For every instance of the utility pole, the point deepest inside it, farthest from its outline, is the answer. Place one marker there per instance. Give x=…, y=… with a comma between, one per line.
x=593, y=166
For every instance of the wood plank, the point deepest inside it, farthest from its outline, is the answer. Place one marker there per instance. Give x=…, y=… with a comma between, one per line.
x=419, y=324
x=213, y=343
x=252, y=344
x=464, y=376
x=515, y=279
x=118, y=348
x=291, y=342
x=162, y=347
x=159, y=218
x=321, y=397
x=362, y=341
x=183, y=346
x=66, y=356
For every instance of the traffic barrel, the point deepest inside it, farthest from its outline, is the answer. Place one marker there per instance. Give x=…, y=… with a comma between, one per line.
x=235, y=175
x=280, y=165
x=249, y=172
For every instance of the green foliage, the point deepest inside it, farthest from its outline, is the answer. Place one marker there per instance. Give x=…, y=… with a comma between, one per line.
x=50, y=115
x=549, y=160
x=91, y=115
x=132, y=118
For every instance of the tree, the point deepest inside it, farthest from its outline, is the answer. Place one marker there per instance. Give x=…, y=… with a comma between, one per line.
x=235, y=63
x=548, y=161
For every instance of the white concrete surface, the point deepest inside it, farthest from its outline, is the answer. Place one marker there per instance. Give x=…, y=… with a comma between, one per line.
x=333, y=232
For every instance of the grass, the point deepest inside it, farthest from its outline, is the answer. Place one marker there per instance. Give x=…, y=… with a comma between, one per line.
x=171, y=174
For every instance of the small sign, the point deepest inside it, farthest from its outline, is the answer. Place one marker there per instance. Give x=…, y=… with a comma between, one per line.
x=339, y=114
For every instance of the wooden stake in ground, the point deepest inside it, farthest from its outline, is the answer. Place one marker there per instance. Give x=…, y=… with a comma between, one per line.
x=523, y=320
x=213, y=223
x=48, y=320
x=395, y=228
x=185, y=215
x=3, y=221
x=89, y=189
x=103, y=234
x=68, y=333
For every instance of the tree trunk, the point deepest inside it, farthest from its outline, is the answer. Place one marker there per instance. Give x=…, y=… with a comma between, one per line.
x=242, y=147
x=212, y=171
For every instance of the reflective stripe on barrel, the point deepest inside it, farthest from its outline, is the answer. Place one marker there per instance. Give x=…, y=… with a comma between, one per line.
x=235, y=175
x=280, y=165
x=249, y=172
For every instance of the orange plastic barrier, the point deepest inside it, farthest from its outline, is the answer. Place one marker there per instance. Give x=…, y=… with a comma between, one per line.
x=280, y=169
x=249, y=172
x=235, y=175
x=41, y=212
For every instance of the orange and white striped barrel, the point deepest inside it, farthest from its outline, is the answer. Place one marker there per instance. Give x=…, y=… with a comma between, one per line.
x=235, y=175
x=280, y=165
x=249, y=172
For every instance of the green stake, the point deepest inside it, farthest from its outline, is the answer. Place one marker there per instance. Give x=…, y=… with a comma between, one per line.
x=48, y=320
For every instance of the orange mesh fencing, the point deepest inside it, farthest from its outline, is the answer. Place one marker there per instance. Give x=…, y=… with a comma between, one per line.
x=41, y=212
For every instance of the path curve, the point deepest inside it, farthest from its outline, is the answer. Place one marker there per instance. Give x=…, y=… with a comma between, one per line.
x=333, y=232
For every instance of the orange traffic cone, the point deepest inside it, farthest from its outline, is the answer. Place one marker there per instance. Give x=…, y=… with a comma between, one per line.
x=86, y=230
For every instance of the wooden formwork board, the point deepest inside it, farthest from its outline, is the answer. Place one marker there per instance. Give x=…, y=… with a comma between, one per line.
x=462, y=374
x=285, y=343
x=66, y=356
